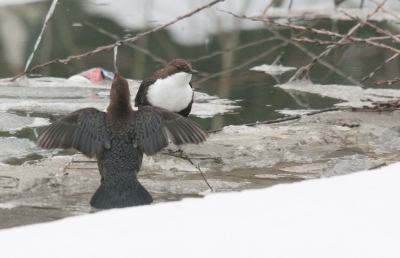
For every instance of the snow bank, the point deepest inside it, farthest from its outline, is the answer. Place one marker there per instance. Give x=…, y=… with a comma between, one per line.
x=355, y=215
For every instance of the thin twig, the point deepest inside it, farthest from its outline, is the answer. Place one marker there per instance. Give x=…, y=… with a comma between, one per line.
x=305, y=50
x=244, y=64
x=266, y=8
x=186, y=157
x=379, y=67
x=379, y=30
x=116, y=37
x=198, y=167
x=377, y=166
x=388, y=82
x=16, y=181
x=119, y=42
x=280, y=120
x=216, y=53
x=329, y=48
x=386, y=10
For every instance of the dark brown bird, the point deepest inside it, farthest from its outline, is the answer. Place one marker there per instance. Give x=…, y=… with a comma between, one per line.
x=168, y=88
x=118, y=139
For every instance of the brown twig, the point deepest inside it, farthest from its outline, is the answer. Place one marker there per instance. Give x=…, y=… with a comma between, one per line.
x=280, y=120
x=216, y=53
x=244, y=64
x=16, y=181
x=201, y=172
x=324, y=32
x=386, y=10
x=379, y=67
x=379, y=30
x=377, y=166
x=119, y=42
x=116, y=37
x=266, y=8
x=186, y=157
x=306, y=51
x=388, y=82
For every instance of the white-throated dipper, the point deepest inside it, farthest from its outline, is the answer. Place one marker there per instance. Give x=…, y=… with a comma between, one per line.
x=168, y=88
x=118, y=138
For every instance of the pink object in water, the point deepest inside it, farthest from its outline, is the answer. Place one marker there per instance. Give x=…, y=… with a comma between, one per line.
x=95, y=75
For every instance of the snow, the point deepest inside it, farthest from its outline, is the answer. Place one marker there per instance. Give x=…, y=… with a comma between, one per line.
x=355, y=215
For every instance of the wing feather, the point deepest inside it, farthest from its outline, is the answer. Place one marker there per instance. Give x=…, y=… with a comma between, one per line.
x=83, y=130
x=140, y=98
x=154, y=126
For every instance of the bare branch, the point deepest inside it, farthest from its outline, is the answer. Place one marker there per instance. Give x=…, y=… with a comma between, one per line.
x=266, y=8
x=386, y=10
x=116, y=37
x=323, y=32
x=379, y=30
x=120, y=42
x=216, y=53
x=379, y=67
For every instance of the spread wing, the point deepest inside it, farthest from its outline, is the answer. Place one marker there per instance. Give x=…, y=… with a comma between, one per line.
x=83, y=130
x=140, y=98
x=154, y=126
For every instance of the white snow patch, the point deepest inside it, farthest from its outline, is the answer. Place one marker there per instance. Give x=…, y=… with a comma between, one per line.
x=205, y=105
x=346, y=216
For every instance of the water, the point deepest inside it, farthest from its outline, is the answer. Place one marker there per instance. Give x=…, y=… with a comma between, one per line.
x=221, y=47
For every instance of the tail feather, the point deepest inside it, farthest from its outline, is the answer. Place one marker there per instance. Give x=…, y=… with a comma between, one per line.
x=123, y=194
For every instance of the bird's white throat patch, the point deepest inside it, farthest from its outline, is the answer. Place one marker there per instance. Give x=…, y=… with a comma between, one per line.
x=172, y=93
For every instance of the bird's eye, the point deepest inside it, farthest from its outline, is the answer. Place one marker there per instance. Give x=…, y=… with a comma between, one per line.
x=179, y=68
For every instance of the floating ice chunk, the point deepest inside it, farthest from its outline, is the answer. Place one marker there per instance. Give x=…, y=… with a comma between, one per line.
x=352, y=94
x=12, y=147
x=276, y=68
x=273, y=69
x=60, y=96
x=13, y=123
x=208, y=106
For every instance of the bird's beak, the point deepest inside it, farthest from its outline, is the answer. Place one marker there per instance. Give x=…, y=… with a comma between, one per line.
x=192, y=71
